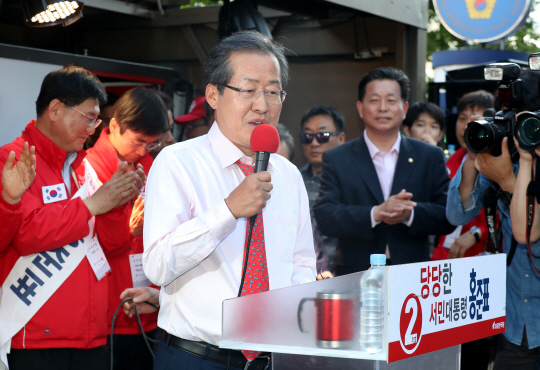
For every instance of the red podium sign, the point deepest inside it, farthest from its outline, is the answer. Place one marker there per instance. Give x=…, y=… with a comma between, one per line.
x=435, y=305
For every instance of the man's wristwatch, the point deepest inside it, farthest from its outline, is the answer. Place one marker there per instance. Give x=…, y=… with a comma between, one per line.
x=476, y=233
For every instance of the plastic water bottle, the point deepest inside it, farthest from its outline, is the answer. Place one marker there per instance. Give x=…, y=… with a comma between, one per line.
x=372, y=305
x=451, y=149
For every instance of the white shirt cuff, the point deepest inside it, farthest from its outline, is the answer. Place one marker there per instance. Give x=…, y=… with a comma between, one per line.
x=410, y=220
x=220, y=221
x=373, y=222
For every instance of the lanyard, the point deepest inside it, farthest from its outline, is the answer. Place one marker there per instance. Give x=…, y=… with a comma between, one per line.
x=490, y=212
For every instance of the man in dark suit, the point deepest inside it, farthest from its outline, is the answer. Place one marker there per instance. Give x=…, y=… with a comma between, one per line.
x=383, y=192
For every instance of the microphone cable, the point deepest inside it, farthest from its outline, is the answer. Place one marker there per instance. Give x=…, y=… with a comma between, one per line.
x=145, y=337
x=246, y=253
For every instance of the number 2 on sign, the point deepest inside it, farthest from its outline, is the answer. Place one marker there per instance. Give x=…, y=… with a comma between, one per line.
x=410, y=324
x=411, y=338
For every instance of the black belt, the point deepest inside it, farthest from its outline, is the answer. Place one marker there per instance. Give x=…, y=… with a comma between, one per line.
x=229, y=357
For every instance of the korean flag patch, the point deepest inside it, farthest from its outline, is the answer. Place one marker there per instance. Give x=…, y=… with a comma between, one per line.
x=54, y=193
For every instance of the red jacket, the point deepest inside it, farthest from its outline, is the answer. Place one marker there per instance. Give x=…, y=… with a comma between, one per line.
x=10, y=218
x=441, y=253
x=104, y=159
x=75, y=315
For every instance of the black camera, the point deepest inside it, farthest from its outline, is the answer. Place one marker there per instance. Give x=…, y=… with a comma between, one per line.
x=527, y=130
x=486, y=135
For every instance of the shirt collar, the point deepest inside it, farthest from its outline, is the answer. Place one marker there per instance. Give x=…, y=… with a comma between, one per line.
x=307, y=172
x=228, y=153
x=104, y=155
x=373, y=150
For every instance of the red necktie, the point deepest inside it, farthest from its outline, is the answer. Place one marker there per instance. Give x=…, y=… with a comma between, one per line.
x=256, y=277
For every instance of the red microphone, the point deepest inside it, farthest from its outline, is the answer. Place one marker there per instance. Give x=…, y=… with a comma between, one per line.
x=264, y=140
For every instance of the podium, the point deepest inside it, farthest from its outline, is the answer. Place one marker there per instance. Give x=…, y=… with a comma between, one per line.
x=430, y=308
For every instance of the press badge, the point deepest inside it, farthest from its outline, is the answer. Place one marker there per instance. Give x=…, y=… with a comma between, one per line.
x=97, y=259
x=54, y=193
x=137, y=273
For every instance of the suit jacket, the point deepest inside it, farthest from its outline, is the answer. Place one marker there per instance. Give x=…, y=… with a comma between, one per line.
x=350, y=188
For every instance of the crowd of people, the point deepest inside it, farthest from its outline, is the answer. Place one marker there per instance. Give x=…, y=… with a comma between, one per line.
x=103, y=214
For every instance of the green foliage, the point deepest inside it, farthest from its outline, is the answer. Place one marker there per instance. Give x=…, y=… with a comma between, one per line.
x=438, y=38
x=525, y=40
x=201, y=3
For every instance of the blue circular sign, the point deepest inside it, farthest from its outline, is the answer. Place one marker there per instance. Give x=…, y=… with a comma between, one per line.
x=482, y=20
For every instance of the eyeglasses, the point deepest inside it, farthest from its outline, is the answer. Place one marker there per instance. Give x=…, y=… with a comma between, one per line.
x=151, y=146
x=272, y=96
x=90, y=122
x=322, y=137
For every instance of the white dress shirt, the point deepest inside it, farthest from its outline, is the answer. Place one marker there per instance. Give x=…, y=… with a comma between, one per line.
x=385, y=165
x=67, y=171
x=193, y=246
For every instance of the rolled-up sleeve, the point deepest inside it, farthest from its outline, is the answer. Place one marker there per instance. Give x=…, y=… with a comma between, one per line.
x=456, y=212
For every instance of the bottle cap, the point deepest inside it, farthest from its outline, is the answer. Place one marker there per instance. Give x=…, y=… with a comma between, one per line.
x=378, y=259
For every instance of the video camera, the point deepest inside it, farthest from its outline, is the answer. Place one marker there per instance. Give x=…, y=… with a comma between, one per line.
x=486, y=135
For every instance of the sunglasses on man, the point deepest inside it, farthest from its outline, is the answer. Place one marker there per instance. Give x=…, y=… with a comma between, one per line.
x=322, y=137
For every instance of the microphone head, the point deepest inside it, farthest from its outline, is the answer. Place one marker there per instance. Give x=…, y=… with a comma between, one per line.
x=264, y=138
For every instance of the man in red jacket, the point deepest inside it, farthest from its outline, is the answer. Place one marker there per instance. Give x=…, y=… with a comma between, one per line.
x=54, y=308
x=139, y=118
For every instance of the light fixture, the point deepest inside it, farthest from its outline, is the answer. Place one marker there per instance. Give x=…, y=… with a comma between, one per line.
x=534, y=61
x=43, y=13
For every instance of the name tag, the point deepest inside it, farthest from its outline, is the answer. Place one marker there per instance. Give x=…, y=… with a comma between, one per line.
x=54, y=193
x=97, y=259
x=137, y=274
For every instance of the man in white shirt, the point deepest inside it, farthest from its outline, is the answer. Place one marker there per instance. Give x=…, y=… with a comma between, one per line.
x=382, y=192
x=198, y=201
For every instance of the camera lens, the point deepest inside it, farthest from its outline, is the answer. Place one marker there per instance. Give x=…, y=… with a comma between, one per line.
x=479, y=138
x=529, y=131
x=486, y=135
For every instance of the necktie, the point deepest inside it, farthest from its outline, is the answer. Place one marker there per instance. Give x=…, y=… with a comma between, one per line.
x=256, y=277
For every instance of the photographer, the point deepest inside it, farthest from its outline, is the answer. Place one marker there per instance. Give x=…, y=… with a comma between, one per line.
x=527, y=162
x=470, y=239
x=518, y=347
